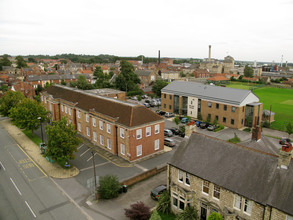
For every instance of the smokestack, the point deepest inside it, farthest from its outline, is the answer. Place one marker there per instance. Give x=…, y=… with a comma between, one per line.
x=159, y=58
x=210, y=50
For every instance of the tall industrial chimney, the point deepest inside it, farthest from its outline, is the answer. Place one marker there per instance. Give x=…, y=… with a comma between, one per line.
x=210, y=50
x=159, y=58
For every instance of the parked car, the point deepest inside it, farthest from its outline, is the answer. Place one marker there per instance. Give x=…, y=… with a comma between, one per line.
x=169, y=142
x=134, y=98
x=197, y=123
x=284, y=140
x=204, y=125
x=212, y=127
x=153, y=103
x=175, y=131
x=146, y=105
x=156, y=192
x=168, y=133
x=144, y=96
x=147, y=101
x=184, y=120
x=169, y=115
x=158, y=102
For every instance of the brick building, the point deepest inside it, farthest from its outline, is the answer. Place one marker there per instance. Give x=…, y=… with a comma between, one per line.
x=236, y=181
x=233, y=108
x=128, y=130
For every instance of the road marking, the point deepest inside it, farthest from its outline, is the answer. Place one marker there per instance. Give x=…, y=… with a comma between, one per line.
x=80, y=146
x=84, y=152
x=141, y=167
x=91, y=167
x=32, y=160
x=30, y=209
x=15, y=186
x=2, y=166
x=89, y=203
x=91, y=157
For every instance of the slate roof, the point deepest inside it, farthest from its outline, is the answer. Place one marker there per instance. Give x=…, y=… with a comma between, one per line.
x=55, y=77
x=128, y=114
x=208, y=92
x=242, y=170
x=143, y=72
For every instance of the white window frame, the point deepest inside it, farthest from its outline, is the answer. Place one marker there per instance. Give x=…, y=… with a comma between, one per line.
x=65, y=109
x=157, y=144
x=122, y=135
x=217, y=189
x=148, y=131
x=248, y=206
x=108, y=128
x=101, y=124
x=87, y=117
x=122, y=149
x=102, y=140
x=94, y=122
x=205, y=184
x=138, y=133
x=50, y=106
x=180, y=176
x=79, y=126
x=88, y=131
x=45, y=100
x=95, y=136
x=62, y=109
x=138, y=150
x=109, y=143
x=187, y=177
x=69, y=111
x=237, y=201
x=157, y=129
x=78, y=114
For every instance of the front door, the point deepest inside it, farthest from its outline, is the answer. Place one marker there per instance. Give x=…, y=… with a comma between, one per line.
x=203, y=213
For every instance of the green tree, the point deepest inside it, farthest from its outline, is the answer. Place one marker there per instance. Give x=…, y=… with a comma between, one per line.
x=82, y=83
x=26, y=113
x=215, y=121
x=209, y=118
x=20, y=62
x=98, y=72
x=63, y=82
x=189, y=213
x=289, y=129
x=155, y=216
x=199, y=117
x=4, y=61
x=138, y=211
x=9, y=100
x=109, y=187
x=215, y=216
x=62, y=140
x=176, y=120
x=158, y=86
x=164, y=203
x=127, y=80
x=31, y=60
x=248, y=71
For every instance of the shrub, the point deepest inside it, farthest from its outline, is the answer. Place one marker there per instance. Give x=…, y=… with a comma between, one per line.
x=215, y=216
x=155, y=216
x=109, y=187
x=139, y=97
x=235, y=139
x=138, y=211
x=164, y=203
x=189, y=213
x=199, y=117
x=176, y=120
x=182, y=129
x=221, y=127
x=215, y=121
x=247, y=129
x=134, y=93
x=209, y=118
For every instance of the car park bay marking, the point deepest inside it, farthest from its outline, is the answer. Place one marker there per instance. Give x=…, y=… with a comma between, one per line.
x=15, y=186
x=84, y=152
x=141, y=167
x=80, y=146
x=30, y=209
x=2, y=166
x=91, y=167
x=91, y=157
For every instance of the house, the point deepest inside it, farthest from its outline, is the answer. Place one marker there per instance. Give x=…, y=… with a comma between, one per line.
x=130, y=131
x=25, y=88
x=147, y=77
x=170, y=75
x=268, y=115
x=235, y=181
x=233, y=108
x=218, y=80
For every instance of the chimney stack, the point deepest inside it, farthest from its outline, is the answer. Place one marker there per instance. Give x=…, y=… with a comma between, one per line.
x=210, y=50
x=159, y=58
x=285, y=155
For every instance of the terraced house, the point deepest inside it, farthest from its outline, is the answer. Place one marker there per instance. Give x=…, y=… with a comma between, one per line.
x=233, y=108
x=237, y=182
x=128, y=130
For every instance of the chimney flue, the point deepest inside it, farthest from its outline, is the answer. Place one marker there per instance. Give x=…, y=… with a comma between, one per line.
x=210, y=51
x=285, y=155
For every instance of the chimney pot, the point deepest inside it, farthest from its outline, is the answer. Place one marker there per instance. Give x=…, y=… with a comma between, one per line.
x=285, y=156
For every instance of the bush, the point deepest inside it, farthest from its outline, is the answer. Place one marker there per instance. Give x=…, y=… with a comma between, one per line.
x=164, y=203
x=139, y=97
x=199, y=117
x=215, y=216
x=155, y=216
x=221, y=127
x=209, y=118
x=138, y=211
x=189, y=213
x=182, y=129
x=134, y=93
x=235, y=139
x=109, y=187
x=247, y=129
x=215, y=121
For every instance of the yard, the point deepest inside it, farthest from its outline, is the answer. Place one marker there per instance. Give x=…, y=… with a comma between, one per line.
x=280, y=99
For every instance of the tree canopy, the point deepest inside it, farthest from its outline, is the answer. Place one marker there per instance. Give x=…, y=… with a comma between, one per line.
x=248, y=71
x=158, y=86
x=20, y=62
x=289, y=128
x=9, y=100
x=82, y=83
x=26, y=114
x=62, y=140
x=102, y=80
x=4, y=61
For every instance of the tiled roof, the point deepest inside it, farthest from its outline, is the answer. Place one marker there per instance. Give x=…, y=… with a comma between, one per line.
x=242, y=170
x=143, y=72
x=127, y=114
x=218, y=78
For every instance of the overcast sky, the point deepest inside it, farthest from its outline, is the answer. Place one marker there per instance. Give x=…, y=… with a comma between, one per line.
x=259, y=30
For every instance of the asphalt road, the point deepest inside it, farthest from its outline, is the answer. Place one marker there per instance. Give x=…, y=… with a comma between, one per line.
x=26, y=191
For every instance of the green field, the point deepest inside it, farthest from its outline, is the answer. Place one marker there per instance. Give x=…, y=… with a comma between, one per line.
x=280, y=99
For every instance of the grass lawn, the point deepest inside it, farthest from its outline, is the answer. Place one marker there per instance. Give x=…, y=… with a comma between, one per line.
x=240, y=85
x=34, y=138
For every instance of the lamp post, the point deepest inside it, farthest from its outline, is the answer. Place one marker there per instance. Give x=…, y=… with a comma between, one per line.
x=39, y=118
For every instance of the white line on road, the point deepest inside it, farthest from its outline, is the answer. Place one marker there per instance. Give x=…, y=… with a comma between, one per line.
x=80, y=146
x=30, y=209
x=91, y=167
x=2, y=166
x=91, y=157
x=84, y=152
x=141, y=167
x=15, y=187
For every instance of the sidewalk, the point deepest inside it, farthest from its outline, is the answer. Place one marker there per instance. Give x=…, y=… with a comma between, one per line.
x=33, y=151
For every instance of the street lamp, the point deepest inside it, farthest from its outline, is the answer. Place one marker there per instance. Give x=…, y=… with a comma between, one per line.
x=39, y=118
